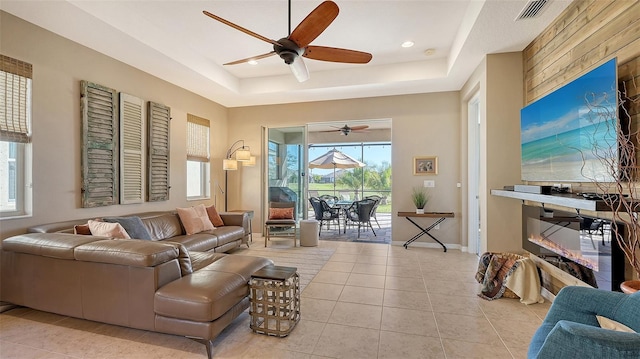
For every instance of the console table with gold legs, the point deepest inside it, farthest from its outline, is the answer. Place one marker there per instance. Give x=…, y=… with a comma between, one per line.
x=441, y=216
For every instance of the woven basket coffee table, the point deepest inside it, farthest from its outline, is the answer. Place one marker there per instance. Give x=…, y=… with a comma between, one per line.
x=275, y=300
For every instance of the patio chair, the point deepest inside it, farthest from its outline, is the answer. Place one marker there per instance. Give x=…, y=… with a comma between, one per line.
x=325, y=213
x=329, y=198
x=282, y=218
x=345, y=195
x=375, y=207
x=360, y=213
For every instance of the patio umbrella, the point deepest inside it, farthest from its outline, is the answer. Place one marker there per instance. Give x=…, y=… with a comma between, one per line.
x=335, y=159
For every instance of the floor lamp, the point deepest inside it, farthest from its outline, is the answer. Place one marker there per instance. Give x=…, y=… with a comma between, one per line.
x=243, y=156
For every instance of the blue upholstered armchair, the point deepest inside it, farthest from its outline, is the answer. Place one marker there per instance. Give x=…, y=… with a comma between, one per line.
x=571, y=329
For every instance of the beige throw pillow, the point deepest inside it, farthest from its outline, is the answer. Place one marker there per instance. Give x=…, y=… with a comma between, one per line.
x=195, y=219
x=607, y=323
x=106, y=229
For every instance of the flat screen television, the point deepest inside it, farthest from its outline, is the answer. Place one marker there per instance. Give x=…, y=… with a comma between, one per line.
x=562, y=131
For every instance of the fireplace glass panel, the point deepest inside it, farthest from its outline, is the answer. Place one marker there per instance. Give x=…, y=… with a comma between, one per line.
x=580, y=245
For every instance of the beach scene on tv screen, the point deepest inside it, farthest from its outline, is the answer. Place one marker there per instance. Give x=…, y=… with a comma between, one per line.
x=566, y=134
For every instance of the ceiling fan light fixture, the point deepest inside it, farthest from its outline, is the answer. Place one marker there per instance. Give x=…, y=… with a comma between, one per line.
x=299, y=69
x=297, y=44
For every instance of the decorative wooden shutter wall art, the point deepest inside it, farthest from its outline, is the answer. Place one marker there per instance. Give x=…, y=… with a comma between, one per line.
x=132, y=145
x=158, y=152
x=99, y=106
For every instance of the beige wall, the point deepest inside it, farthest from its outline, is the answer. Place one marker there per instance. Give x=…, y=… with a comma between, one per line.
x=58, y=67
x=504, y=99
x=425, y=124
x=498, y=83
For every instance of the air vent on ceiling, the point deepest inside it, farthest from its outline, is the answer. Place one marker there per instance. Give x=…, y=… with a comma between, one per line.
x=532, y=9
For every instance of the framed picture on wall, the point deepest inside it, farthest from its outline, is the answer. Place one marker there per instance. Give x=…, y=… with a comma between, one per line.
x=425, y=165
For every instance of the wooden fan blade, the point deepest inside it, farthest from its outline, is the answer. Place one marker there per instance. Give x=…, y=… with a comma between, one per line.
x=334, y=54
x=358, y=128
x=314, y=24
x=251, y=58
x=238, y=27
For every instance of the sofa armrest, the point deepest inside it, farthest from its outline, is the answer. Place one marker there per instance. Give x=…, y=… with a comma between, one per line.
x=240, y=219
x=575, y=340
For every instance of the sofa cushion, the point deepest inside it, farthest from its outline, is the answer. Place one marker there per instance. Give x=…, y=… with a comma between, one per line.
x=214, y=216
x=243, y=266
x=201, y=242
x=209, y=292
x=195, y=219
x=82, y=229
x=163, y=226
x=133, y=225
x=106, y=229
x=202, y=296
x=227, y=234
x=203, y=259
x=281, y=213
x=53, y=245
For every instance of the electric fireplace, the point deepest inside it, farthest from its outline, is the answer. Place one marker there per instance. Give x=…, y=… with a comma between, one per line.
x=582, y=246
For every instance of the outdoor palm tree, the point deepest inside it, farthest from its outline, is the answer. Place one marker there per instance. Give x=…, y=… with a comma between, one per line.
x=352, y=179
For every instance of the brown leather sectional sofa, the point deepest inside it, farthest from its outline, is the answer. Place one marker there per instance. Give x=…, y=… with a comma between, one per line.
x=178, y=285
x=166, y=225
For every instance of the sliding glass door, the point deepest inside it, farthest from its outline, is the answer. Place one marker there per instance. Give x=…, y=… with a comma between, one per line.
x=286, y=167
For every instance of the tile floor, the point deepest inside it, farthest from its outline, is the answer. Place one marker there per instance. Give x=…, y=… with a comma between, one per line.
x=360, y=300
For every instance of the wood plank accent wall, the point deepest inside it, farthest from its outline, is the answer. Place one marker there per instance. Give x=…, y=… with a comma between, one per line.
x=586, y=34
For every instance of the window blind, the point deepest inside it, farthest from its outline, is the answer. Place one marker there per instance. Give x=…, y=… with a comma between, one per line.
x=15, y=99
x=197, y=138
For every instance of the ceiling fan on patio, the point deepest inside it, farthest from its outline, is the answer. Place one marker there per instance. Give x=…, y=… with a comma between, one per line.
x=346, y=129
x=292, y=48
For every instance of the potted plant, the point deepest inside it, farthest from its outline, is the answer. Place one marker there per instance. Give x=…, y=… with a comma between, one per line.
x=419, y=197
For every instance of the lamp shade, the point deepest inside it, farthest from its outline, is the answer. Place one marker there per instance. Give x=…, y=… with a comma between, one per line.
x=229, y=165
x=250, y=163
x=243, y=155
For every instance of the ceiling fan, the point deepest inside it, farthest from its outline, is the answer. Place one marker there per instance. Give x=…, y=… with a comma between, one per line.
x=346, y=130
x=292, y=48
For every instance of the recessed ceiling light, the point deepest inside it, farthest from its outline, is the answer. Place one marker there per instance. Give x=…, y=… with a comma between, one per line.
x=429, y=52
x=407, y=44
x=253, y=62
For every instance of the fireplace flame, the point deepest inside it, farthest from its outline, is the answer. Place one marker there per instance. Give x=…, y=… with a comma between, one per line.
x=565, y=252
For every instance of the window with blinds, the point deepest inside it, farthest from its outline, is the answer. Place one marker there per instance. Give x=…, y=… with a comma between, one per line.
x=15, y=99
x=197, y=157
x=15, y=136
x=197, y=139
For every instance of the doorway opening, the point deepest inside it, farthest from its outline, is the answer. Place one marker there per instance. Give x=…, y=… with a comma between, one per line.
x=361, y=171
x=473, y=174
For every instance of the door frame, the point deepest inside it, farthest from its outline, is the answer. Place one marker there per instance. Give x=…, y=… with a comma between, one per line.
x=264, y=164
x=473, y=174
